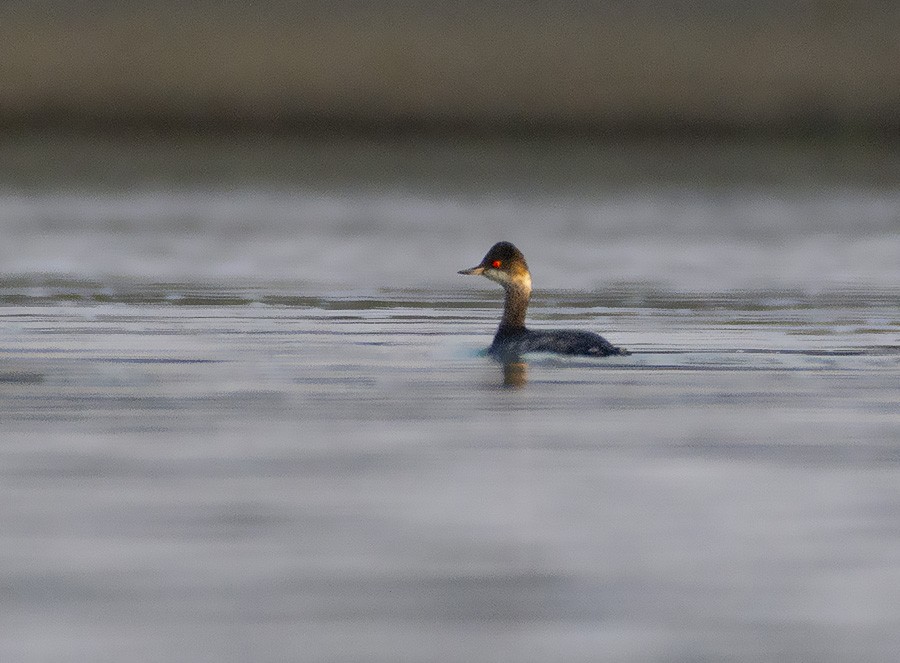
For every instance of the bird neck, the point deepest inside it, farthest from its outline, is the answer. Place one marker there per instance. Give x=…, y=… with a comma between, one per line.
x=518, y=292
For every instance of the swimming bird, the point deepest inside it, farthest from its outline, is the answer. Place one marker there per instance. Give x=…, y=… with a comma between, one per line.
x=505, y=264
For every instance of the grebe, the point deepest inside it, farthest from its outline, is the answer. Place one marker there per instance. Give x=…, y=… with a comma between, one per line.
x=506, y=265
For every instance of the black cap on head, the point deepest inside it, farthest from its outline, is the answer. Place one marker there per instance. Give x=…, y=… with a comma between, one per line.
x=502, y=255
x=505, y=252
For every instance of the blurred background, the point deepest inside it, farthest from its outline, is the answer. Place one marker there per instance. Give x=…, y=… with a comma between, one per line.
x=603, y=67
x=243, y=414
x=366, y=121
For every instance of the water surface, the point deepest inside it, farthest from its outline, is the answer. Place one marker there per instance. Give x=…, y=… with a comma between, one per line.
x=253, y=424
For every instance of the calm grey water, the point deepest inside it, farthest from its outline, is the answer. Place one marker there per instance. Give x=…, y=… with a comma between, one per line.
x=247, y=419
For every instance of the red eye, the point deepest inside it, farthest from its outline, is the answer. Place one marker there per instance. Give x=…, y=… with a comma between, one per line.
x=496, y=264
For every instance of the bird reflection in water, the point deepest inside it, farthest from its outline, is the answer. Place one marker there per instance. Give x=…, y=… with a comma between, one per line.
x=515, y=374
